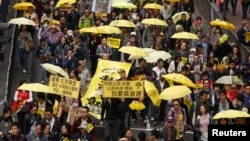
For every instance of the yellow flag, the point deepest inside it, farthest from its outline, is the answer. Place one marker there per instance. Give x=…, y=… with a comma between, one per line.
x=152, y=92
x=106, y=71
x=90, y=127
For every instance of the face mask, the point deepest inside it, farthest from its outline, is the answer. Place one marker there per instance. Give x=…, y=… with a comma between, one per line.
x=45, y=25
x=75, y=104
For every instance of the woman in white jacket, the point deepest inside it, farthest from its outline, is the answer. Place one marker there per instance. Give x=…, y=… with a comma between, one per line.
x=175, y=65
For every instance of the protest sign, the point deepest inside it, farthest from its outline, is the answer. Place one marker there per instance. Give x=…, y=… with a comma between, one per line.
x=114, y=42
x=64, y=86
x=123, y=89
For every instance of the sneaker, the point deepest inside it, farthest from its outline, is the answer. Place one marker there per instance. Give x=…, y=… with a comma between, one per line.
x=24, y=71
x=133, y=120
x=152, y=119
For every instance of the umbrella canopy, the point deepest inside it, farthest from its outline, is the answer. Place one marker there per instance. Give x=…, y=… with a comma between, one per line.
x=153, y=6
x=228, y=79
x=122, y=23
x=36, y=87
x=184, y=35
x=136, y=105
x=54, y=22
x=22, y=21
x=154, y=21
x=155, y=55
x=123, y=5
x=132, y=50
x=93, y=30
x=148, y=50
x=114, y=1
x=174, y=92
x=152, y=92
x=177, y=16
x=108, y=30
x=179, y=78
x=230, y=114
x=174, y=0
x=222, y=24
x=23, y=6
x=53, y=69
x=61, y=2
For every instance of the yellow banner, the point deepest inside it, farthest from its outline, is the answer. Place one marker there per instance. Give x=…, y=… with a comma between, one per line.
x=64, y=86
x=247, y=36
x=114, y=42
x=123, y=89
x=106, y=71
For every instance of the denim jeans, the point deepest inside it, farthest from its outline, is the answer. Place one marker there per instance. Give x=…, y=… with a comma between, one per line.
x=111, y=131
x=234, y=5
x=23, y=55
x=43, y=73
x=244, y=10
x=125, y=121
x=224, y=8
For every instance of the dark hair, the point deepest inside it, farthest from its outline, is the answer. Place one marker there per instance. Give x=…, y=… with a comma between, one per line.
x=67, y=126
x=142, y=136
x=21, y=82
x=49, y=109
x=86, y=107
x=198, y=18
x=184, y=68
x=223, y=91
x=40, y=95
x=40, y=124
x=16, y=124
x=141, y=59
x=209, y=65
x=124, y=131
x=202, y=93
x=32, y=105
x=6, y=110
x=155, y=133
x=176, y=100
x=247, y=85
x=160, y=60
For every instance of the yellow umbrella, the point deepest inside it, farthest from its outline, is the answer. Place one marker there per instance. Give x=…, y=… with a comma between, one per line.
x=148, y=50
x=222, y=24
x=22, y=21
x=123, y=5
x=122, y=23
x=175, y=92
x=132, y=50
x=228, y=79
x=152, y=92
x=230, y=114
x=108, y=30
x=54, y=22
x=155, y=55
x=174, y=0
x=153, y=6
x=61, y=2
x=177, y=16
x=23, y=6
x=154, y=21
x=184, y=35
x=136, y=105
x=53, y=69
x=36, y=87
x=114, y=1
x=179, y=78
x=93, y=30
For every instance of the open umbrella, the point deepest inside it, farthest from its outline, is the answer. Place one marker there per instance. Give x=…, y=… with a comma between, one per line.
x=222, y=24
x=36, y=87
x=175, y=92
x=153, y=6
x=61, y=2
x=54, y=22
x=174, y=0
x=108, y=30
x=132, y=50
x=179, y=78
x=122, y=23
x=152, y=92
x=148, y=50
x=228, y=79
x=155, y=55
x=177, y=16
x=123, y=5
x=185, y=35
x=93, y=30
x=230, y=114
x=154, y=21
x=53, y=69
x=23, y=6
x=136, y=105
x=22, y=21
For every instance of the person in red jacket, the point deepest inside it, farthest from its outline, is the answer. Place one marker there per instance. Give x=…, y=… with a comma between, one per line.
x=84, y=117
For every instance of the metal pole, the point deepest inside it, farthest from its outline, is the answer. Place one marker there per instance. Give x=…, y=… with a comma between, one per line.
x=212, y=10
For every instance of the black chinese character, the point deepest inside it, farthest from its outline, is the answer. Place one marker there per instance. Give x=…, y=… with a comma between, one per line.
x=138, y=84
x=138, y=93
x=120, y=93
x=126, y=93
x=132, y=94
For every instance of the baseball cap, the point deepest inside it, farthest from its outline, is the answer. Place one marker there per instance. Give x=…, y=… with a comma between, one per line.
x=70, y=33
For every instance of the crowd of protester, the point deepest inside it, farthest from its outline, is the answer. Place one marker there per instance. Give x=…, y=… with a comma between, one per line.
x=78, y=53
